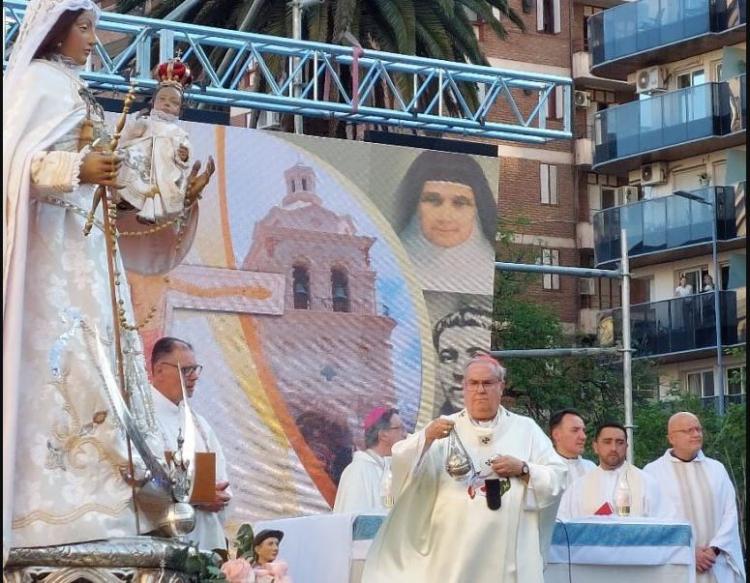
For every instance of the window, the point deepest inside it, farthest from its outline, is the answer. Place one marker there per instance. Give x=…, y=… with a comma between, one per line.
x=609, y=198
x=551, y=257
x=735, y=380
x=588, y=12
x=554, y=106
x=694, y=276
x=301, y=287
x=340, y=290
x=690, y=79
x=548, y=16
x=548, y=183
x=724, y=268
x=700, y=383
x=477, y=23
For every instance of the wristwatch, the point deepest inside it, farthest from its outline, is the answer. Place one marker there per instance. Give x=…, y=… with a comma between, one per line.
x=525, y=469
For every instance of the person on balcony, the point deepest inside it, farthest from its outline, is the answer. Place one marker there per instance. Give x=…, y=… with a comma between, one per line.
x=684, y=289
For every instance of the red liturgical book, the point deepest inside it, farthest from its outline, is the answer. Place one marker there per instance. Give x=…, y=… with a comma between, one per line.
x=605, y=510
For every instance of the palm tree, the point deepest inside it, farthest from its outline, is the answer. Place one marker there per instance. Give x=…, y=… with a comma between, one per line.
x=439, y=29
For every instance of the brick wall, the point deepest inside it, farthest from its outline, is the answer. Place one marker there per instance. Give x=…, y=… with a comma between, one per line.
x=532, y=46
x=519, y=188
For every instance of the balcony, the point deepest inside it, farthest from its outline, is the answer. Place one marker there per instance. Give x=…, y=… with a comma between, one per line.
x=670, y=227
x=584, y=76
x=638, y=34
x=682, y=328
x=670, y=126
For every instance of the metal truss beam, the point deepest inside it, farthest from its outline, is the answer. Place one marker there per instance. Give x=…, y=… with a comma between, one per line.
x=414, y=92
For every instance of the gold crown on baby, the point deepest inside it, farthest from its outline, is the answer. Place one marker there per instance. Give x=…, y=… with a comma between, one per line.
x=174, y=73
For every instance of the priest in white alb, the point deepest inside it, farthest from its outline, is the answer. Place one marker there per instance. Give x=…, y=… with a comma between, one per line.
x=568, y=432
x=365, y=484
x=167, y=355
x=597, y=492
x=483, y=525
x=704, y=496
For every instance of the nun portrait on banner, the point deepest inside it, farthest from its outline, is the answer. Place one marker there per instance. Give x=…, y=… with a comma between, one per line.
x=447, y=223
x=485, y=526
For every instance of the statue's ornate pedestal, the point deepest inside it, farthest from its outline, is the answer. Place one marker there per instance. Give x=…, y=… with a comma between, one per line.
x=141, y=559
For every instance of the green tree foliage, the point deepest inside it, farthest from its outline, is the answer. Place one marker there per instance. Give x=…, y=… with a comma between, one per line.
x=539, y=386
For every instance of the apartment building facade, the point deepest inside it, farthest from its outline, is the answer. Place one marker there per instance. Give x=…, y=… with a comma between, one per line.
x=659, y=109
x=677, y=151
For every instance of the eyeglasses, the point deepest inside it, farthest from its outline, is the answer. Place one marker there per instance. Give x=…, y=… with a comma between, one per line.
x=486, y=385
x=691, y=430
x=187, y=370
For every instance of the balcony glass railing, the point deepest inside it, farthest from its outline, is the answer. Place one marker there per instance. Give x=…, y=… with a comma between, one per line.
x=668, y=222
x=668, y=119
x=682, y=324
x=636, y=27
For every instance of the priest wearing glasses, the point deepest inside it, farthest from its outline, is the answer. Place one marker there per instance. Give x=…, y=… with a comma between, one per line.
x=486, y=525
x=167, y=357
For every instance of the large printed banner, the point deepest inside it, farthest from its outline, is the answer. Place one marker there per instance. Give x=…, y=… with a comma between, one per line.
x=326, y=277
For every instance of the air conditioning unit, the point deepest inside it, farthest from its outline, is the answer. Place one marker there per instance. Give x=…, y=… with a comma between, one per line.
x=269, y=120
x=655, y=173
x=587, y=286
x=650, y=80
x=626, y=195
x=582, y=99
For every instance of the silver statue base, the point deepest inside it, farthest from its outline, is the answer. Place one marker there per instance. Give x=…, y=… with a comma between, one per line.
x=138, y=559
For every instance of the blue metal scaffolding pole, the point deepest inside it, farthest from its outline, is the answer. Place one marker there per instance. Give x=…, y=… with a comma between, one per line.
x=296, y=73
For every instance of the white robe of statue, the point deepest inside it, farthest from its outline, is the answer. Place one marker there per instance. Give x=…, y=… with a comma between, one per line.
x=587, y=494
x=360, y=487
x=438, y=531
x=154, y=177
x=209, y=526
x=704, y=496
x=63, y=449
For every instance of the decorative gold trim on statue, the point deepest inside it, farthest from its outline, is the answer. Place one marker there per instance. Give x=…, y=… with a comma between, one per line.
x=56, y=519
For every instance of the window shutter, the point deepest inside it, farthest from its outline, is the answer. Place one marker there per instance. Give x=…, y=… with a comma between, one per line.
x=544, y=183
x=559, y=100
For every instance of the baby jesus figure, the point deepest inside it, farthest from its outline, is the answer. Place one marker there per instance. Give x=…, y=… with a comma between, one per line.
x=155, y=149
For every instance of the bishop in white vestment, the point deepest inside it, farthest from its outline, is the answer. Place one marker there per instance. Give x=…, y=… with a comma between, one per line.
x=443, y=529
x=705, y=497
x=361, y=486
x=597, y=489
x=365, y=484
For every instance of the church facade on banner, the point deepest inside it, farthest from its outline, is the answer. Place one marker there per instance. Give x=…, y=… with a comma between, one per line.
x=302, y=300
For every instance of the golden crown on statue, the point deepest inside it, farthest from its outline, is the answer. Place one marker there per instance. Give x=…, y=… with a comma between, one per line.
x=174, y=73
